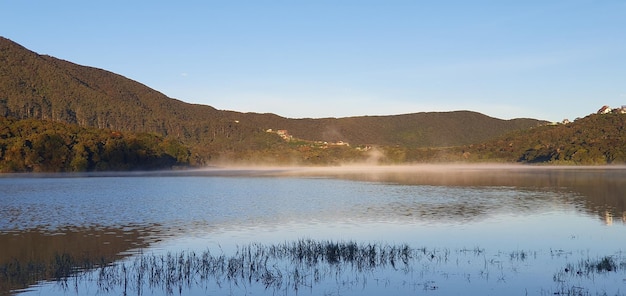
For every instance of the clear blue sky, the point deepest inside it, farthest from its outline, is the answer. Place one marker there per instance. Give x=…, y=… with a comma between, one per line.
x=541, y=59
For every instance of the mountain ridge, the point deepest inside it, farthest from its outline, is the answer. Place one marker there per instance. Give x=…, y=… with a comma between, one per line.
x=43, y=87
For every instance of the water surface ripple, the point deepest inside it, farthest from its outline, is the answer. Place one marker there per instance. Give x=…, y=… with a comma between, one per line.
x=576, y=213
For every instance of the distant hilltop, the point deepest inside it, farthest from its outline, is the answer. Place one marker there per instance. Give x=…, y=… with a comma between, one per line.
x=34, y=86
x=127, y=125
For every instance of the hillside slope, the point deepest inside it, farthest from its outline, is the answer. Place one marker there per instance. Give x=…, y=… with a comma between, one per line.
x=43, y=87
x=594, y=139
x=425, y=129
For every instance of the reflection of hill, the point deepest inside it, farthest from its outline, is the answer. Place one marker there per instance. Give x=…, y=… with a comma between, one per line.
x=31, y=256
x=459, y=206
x=599, y=190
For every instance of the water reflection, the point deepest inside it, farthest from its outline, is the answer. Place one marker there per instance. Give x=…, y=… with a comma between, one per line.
x=445, y=192
x=32, y=255
x=103, y=218
x=349, y=268
x=600, y=191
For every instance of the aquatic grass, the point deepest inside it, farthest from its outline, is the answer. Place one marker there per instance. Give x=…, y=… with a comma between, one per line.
x=360, y=256
x=590, y=267
x=17, y=274
x=291, y=266
x=519, y=255
x=606, y=264
x=568, y=278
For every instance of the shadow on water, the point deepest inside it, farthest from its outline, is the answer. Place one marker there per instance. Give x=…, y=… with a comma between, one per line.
x=30, y=256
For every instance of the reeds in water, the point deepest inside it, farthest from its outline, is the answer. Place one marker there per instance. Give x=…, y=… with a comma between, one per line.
x=567, y=277
x=17, y=274
x=291, y=266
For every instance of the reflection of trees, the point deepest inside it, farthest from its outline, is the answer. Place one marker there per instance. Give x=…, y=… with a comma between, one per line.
x=599, y=191
x=33, y=255
x=461, y=205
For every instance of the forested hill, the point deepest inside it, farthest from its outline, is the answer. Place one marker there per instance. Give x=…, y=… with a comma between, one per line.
x=425, y=129
x=31, y=145
x=43, y=87
x=592, y=140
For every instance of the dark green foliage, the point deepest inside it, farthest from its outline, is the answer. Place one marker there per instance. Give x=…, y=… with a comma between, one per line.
x=595, y=139
x=42, y=87
x=427, y=129
x=42, y=146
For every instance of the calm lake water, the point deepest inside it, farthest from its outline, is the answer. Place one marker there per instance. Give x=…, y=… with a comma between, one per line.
x=479, y=230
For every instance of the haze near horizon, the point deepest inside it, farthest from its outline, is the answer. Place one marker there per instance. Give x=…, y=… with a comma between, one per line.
x=544, y=60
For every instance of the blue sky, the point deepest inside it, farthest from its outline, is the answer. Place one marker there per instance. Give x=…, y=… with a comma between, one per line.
x=541, y=59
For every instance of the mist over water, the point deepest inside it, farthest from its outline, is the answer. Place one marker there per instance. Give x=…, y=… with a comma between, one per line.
x=554, y=216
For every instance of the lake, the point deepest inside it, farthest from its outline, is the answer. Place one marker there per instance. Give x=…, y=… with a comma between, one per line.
x=405, y=230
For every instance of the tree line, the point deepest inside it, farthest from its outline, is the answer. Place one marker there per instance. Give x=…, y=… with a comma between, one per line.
x=597, y=139
x=31, y=145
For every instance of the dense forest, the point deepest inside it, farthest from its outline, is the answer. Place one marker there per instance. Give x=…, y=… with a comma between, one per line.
x=43, y=87
x=424, y=129
x=31, y=145
x=59, y=116
x=597, y=139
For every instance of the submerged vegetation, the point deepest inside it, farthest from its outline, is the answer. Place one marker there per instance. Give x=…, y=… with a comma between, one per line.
x=569, y=277
x=317, y=267
x=17, y=274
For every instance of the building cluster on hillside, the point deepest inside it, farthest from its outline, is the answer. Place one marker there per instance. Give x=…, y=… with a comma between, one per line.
x=604, y=110
x=284, y=134
x=608, y=110
x=338, y=143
